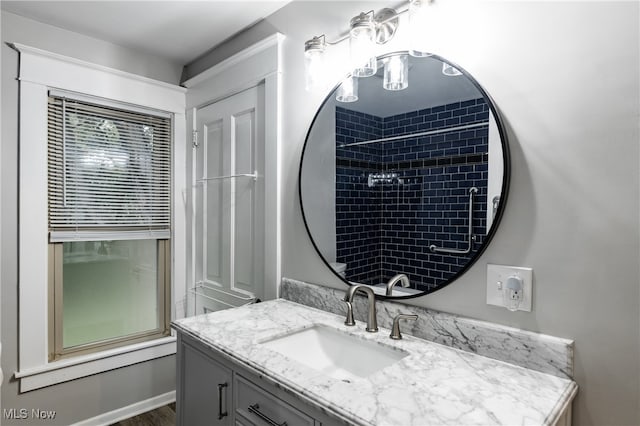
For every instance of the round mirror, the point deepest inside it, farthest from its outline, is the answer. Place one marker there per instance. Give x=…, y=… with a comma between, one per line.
x=408, y=181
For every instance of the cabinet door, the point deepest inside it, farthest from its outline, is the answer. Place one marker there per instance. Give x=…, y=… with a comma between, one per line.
x=204, y=394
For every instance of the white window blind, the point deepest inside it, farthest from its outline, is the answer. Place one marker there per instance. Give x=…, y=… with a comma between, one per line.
x=109, y=172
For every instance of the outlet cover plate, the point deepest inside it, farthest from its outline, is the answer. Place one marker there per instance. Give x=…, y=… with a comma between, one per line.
x=497, y=274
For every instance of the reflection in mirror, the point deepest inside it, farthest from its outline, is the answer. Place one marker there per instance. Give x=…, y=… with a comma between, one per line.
x=408, y=181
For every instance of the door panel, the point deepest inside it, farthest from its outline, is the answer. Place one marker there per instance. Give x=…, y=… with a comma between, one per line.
x=215, y=218
x=249, y=232
x=229, y=233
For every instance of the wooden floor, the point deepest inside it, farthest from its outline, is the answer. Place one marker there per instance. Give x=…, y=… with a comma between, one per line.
x=163, y=416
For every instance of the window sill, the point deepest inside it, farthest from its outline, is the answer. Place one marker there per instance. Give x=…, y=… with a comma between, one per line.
x=85, y=365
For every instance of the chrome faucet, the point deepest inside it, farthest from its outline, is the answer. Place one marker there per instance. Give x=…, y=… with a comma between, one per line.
x=400, y=278
x=372, y=322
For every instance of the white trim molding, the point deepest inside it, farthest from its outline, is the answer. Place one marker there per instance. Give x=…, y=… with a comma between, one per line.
x=41, y=71
x=242, y=71
x=86, y=365
x=237, y=59
x=63, y=72
x=129, y=411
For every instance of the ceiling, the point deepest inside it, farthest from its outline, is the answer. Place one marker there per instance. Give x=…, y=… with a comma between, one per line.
x=178, y=31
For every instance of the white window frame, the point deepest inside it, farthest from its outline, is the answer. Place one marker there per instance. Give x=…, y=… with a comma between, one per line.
x=40, y=71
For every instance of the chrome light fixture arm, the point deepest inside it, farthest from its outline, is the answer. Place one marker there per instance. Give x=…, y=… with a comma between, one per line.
x=386, y=21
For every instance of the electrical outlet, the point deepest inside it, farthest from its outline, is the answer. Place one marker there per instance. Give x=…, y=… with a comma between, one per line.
x=497, y=287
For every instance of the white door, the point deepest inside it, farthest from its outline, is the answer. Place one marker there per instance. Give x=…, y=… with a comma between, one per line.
x=229, y=202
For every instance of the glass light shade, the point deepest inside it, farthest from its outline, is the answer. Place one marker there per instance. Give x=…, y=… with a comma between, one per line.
x=362, y=46
x=450, y=70
x=314, y=65
x=419, y=37
x=348, y=90
x=396, y=73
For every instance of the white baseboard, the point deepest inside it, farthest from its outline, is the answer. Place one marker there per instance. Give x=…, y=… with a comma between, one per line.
x=129, y=411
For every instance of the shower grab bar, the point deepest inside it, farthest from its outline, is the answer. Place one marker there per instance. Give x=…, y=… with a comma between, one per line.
x=471, y=236
x=415, y=135
x=253, y=175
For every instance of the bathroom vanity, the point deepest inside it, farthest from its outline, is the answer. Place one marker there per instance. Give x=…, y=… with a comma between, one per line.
x=214, y=390
x=248, y=366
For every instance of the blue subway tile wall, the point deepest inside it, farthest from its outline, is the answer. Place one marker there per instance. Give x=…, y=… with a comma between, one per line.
x=358, y=217
x=387, y=228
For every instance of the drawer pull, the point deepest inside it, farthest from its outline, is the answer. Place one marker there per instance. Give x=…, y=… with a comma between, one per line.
x=255, y=409
x=221, y=414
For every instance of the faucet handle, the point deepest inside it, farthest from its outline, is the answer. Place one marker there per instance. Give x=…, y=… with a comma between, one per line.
x=349, y=320
x=395, y=329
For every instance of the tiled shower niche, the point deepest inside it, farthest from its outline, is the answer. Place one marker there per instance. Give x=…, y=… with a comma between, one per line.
x=385, y=226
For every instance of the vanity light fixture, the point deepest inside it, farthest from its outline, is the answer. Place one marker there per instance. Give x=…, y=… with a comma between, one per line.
x=362, y=45
x=314, y=63
x=348, y=90
x=396, y=72
x=366, y=30
x=450, y=70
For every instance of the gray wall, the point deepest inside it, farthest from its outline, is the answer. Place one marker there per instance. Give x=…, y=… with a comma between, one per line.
x=565, y=77
x=88, y=397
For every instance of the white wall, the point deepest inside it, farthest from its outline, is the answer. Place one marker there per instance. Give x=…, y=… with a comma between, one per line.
x=88, y=397
x=565, y=77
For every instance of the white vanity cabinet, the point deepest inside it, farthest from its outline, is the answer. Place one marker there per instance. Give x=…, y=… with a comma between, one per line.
x=211, y=390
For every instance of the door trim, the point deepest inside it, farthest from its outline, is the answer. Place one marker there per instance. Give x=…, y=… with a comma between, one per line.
x=231, y=61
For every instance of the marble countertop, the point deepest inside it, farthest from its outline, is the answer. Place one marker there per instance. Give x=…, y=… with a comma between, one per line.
x=434, y=384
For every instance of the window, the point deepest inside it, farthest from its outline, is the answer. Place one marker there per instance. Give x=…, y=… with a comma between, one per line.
x=43, y=73
x=109, y=213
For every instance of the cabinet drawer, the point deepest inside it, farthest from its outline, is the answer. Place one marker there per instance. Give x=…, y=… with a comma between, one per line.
x=262, y=408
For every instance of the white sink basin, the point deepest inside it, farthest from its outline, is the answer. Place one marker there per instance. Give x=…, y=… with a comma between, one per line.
x=335, y=353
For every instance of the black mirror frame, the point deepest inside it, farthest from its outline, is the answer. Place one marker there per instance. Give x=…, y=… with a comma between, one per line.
x=506, y=158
